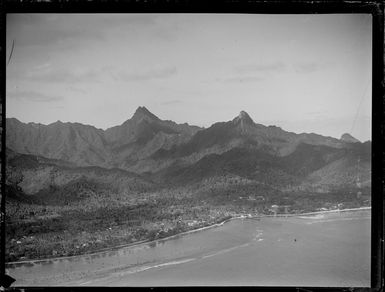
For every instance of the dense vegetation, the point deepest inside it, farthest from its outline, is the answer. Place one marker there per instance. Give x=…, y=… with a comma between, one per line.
x=99, y=219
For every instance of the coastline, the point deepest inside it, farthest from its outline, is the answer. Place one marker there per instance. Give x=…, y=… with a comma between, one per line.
x=133, y=244
x=217, y=224
x=316, y=212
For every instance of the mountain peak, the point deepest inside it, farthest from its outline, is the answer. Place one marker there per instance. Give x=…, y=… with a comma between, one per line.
x=243, y=117
x=349, y=138
x=144, y=112
x=243, y=114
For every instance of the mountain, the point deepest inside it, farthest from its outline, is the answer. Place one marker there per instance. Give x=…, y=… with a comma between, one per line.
x=74, y=142
x=85, y=145
x=351, y=169
x=268, y=154
x=53, y=181
x=180, y=154
x=143, y=135
x=242, y=132
x=308, y=166
x=349, y=138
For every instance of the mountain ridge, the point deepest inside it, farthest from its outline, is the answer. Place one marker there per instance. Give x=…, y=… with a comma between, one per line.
x=145, y=143
x=86, y=145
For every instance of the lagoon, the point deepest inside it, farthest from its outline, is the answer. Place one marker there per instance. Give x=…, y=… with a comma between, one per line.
x=329, y=249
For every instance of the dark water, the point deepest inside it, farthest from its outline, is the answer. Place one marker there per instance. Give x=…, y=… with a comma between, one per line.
x=328, y=250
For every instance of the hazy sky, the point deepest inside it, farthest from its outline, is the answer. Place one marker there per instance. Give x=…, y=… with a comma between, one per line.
x=304, y=73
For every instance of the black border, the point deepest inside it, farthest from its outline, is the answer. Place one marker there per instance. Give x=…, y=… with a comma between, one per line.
x=2, y=153
x=373, y=7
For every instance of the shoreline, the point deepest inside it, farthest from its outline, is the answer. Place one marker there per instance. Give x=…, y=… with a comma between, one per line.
x=315, y=212
x=133, y=244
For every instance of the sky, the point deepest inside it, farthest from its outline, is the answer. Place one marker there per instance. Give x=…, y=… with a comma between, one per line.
x=303, y=73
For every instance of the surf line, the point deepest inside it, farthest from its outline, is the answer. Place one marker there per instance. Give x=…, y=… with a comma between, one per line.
x=171, y=263
x=12, y=265
x=142, y=269
x=310, y=213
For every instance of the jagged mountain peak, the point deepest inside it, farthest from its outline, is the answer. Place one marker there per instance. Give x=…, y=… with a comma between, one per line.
x=243, y=118
x=349, y=138
x=144, y=112
x=244, y=115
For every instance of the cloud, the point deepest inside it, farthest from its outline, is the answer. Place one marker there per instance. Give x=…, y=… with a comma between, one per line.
x=160, y=73
x=33, y=96
x=114, y=20
x=250, y=68
x=307, y=67
x=61, y=31
x=74, y=89
x=138, y=26
x=79, y=31
x=59, y=75
x=42, y=66
x=235, y=79
x=242, y=79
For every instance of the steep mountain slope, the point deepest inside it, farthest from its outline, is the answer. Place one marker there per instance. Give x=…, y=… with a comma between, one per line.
x=352, y=169
x=266, y=154
x=182, y=154
x=142, y=135
x=309, y=166
x=84, y=145
x=54, y=180
x=243, y=131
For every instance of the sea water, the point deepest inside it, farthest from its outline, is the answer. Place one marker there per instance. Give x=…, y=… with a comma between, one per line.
x=328, y=250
